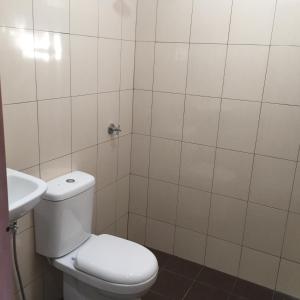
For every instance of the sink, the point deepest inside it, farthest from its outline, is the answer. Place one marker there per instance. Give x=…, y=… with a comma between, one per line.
x=24, y=193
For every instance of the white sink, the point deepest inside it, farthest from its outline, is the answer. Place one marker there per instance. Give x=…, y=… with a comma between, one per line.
x=24, y=193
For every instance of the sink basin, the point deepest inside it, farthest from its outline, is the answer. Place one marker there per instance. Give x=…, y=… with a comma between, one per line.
x=24, y=193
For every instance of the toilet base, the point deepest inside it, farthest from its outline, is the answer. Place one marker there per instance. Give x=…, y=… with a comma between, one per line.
x=77, y=290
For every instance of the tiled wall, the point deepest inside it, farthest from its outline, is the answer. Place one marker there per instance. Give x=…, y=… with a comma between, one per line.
x=216, y=134
x=66, y=73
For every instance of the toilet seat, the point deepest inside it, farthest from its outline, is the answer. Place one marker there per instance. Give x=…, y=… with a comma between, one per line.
x=107, y=280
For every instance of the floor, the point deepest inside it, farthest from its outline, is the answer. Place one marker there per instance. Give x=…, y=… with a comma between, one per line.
x=181, y=279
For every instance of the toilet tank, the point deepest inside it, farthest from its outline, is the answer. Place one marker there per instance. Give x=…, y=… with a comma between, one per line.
x=63, y=218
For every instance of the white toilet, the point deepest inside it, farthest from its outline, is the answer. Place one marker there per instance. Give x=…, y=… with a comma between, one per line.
x=95, y=267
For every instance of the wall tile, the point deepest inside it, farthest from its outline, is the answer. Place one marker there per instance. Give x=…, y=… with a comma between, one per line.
x=189, y=245
x=160, y=236
x=129, y=19
x=201, y=118
x=124, y=153
x=238, y=125
x=251, y=22
x=272, y=182
x=291, y=249
x=222, y=256
x=52, y=66
x=17, y=65
x=84, y=18
x=54, y=128
x=16, y=14
x=21, y=135
x=167, y=115
x=126, y=98
x=127, y=65
x=142, y=106
x=286, y=20
x=164, y=160
x=227, y=217
x=162, y=201
x=122, y=202
x=84, y=65
x=56, y=167
x=193, y=209
x=283, y=76
x=144, y=63
x=140, y=154
x=283, y=122
x=245, y=72
x=84, y=121
x=295, y=201
x=174, y=20
x=232, y=173
x=206, y=69
x=259, y=268
x=264, y=228
x=110, y=18
x=197, y=163
x=50, y=17
x=210, y=21
x=170, y=67
x=109, y=60
x=137, y=229
x=138, y=195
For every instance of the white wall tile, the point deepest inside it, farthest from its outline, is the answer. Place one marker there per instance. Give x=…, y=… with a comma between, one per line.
x=170, y=67
x=83, y=17
x=291, y=249
x=288, y=278
x=110, y=18
x=160, y=236
x=282, y=122
x=109, y=62
x=52, y=66
x=21, y=135
x=210, y=21
x=272, y=181
x=142, y=105
x=238, y=125
x=127, y=64
x=140, y=154
x=174, y=20
x=259, y=268
x=287, y=19
x=146, y=20
x=264, y=228
x=137, y=228
x=295, y=200
x=251, y=22
x=162, y=201
x=85, y=160
x=56, y=167
x=193, y=209
x=222, y=256
x=206, y=69
x=84, y=121
x=126, y=99
x=129, y=19
x=138, y=195
x=83, y=65
x=17, y=65
x=167, y=115
x=227, y=217
x=122, y=203
x=201, y=118
x=197, y=163
x=164, y=159
x=54, y=128
x=124, y=153
x=245, y=72
x=144, y=63
x=51, y=16
x=189, y=245
x=232, y=173
x=14, y=13
x=283, y=76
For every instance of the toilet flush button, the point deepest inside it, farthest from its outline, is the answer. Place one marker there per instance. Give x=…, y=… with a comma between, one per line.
x=70, y=180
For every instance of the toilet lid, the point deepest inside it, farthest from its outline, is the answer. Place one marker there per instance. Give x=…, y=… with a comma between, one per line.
x=116, y=260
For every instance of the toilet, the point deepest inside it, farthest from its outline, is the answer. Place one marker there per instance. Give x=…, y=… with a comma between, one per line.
x=95, y=267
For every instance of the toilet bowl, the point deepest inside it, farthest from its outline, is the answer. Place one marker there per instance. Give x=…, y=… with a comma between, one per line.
x=95, y=267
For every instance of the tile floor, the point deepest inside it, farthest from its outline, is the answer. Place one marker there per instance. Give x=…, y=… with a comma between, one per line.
x=181, y=279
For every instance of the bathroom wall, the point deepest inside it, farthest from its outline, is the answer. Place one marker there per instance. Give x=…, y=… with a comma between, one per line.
x=215, y=146
x=67, y=73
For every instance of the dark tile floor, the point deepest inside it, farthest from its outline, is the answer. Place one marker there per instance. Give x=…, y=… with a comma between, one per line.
x=179, y=279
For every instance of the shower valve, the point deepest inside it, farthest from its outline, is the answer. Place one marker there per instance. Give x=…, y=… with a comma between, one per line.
x=113, y=129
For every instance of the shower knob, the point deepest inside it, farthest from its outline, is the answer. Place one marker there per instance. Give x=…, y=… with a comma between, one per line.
x=113, y=129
